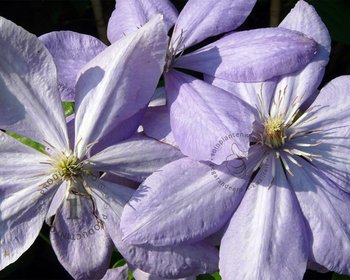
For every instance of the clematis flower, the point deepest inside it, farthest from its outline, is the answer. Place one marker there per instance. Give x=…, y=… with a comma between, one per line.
x=246, y=56
x=290, y=207
x=64, y=185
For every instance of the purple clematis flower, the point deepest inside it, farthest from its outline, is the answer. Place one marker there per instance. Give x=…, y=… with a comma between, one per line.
x=286, y=206
x=64, y=185
x=247, y=56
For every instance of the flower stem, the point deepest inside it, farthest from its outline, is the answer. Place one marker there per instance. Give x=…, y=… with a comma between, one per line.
x=275, y=12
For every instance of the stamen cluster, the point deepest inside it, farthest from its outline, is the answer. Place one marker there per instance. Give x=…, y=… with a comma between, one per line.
x=275, y=133
x=67, y=166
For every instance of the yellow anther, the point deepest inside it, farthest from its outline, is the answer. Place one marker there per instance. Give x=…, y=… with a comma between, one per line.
x=274, y=134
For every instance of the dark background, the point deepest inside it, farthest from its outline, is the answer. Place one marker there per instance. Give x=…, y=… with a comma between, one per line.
x=42, y=16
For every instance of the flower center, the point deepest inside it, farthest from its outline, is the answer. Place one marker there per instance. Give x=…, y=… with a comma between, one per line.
x=67, y=166
x=275, y=132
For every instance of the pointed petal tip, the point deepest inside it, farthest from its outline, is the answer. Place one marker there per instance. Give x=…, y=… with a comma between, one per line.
x=200, y=20
x=155, y=22
x=28, y=79
x=252, y=56
x=304, y=18
x=70, y=51
x=129, y=15
x=117, y=92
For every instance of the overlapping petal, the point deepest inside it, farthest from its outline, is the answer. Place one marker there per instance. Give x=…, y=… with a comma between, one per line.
x=202, y=115
x=329, y=110
x=24, y=201
x=328, y=118
x=167, y=262
x=112, y=178
x=25, y=197
x=156, y=124
x=22, y=213
x=252, y=56
x=199, y=20
x=56, y=202
x=171, y=262
x=19, y=161
x=162, y=211
x=257, y=95
x=266, y=237
x=326, y=209
x=29, y=102
x=118, y=273
x=80, y=239
x=329, y=151
x=300, y=86
x=70, y=52
x=129, y=16
x=110, y=197
x=135, y=158
x=114, y=87
x=127, y=128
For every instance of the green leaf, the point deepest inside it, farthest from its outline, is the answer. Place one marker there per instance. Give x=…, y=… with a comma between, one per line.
x=68, y=108
x=28, y=142
x=340, y=277
x=205, y=277
x=214, y=276
x=130, y=276
x=217, y=276
x=119, y=263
